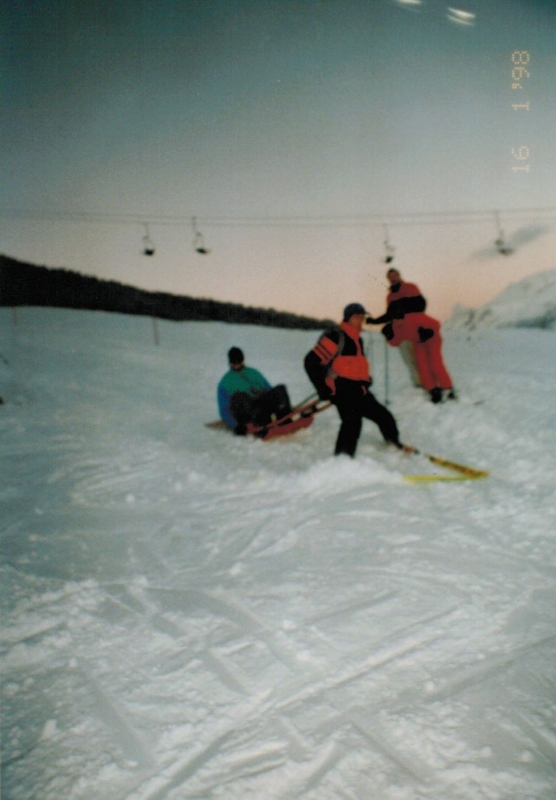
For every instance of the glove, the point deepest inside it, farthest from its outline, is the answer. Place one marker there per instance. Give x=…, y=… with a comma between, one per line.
x=388, y=332
x=425, y=334
x=240, y=430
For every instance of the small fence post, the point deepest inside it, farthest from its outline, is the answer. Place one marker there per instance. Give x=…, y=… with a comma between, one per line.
x=155, y=331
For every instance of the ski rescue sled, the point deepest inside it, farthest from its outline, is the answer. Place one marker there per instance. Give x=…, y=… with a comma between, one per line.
x=298, y=418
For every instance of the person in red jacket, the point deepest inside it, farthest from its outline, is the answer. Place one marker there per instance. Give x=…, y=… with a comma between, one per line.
x=406, y=323
x=423, y=332
x=339, y=371
x=403, y=298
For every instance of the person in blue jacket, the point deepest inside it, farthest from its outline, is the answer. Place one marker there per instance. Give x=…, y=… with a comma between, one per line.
x=244, y=395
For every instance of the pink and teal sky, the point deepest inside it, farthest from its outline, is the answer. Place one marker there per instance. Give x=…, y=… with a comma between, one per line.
x=298, y=133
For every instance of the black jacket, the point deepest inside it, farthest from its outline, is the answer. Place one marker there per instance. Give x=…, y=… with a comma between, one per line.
x=397, y=309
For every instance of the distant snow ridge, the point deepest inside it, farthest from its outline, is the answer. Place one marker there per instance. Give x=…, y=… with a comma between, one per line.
x=531, y=303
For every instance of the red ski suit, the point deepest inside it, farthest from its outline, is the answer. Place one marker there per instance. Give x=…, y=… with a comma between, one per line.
x=428, y=354
x=397, y=308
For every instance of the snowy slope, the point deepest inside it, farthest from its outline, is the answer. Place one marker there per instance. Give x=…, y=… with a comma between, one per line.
x=530, y=303
x=187, y=614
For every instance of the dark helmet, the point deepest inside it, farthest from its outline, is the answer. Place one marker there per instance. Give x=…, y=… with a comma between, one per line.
x=235, y=355
x=353, y=308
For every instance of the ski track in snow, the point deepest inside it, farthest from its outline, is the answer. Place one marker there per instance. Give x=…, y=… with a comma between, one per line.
x=191, y=615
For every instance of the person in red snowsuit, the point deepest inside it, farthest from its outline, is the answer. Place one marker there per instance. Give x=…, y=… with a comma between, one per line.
x=339, y=371
x=407, y=322
x=423, y=332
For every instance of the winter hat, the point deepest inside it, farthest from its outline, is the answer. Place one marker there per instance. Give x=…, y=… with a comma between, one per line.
x=351, y=309
x=235, y=355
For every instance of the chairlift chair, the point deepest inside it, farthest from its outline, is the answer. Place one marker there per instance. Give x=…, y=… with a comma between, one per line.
x=390, y=249
x=148, y=245
x=198, y=241
x=500, y=243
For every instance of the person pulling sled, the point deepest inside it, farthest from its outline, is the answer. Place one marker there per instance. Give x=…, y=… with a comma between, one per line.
x=338, y=369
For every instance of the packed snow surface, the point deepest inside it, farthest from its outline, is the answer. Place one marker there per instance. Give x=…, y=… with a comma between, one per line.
x=529, y=303
x=189, y=614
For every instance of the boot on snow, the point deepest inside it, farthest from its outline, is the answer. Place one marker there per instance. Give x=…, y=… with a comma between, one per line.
x=436, y=395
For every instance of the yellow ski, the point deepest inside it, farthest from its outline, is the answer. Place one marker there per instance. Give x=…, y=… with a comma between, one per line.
x=465, y=472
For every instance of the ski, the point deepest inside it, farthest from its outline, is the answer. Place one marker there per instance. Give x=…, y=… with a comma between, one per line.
x=465, y=472
x=217, y=424
x=435, y=478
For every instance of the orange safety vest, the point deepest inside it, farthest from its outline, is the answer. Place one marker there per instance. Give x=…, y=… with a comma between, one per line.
x=353, y=367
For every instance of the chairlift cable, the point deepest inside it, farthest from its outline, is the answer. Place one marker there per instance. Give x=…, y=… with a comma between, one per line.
x=301, y=221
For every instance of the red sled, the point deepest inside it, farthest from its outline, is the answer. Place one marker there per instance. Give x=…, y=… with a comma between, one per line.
x=297, y=419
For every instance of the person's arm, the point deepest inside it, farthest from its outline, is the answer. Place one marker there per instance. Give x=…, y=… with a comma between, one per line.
x=317, y=363
x=408, y=305
x=379, y=320
x=397, y=309
x=264, y=384
x=224, y=397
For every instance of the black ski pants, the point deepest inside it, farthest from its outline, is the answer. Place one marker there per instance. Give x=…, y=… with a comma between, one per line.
x=352, y=406
x=260, y=407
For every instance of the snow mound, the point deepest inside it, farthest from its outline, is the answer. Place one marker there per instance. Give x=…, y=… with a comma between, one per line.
x=530, y=303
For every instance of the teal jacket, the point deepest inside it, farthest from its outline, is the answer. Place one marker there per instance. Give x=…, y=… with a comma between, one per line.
x=247, y=380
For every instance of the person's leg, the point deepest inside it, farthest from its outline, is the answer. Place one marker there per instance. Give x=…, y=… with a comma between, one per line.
x=442, y=377
x=280, y=401
x=350, y=429
x=243, y=408
x=422, y=363
x=406, y=351
x=274, y=402
x=376, y=412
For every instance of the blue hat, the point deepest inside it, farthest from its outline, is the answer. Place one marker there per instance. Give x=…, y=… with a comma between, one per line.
x=351, y=309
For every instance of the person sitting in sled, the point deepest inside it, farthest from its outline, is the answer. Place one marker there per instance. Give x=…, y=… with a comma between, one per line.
x=245, y=396
x=339, y=371
x=408, y=327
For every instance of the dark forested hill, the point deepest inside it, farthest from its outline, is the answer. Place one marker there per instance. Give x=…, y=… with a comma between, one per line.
x=24, y=284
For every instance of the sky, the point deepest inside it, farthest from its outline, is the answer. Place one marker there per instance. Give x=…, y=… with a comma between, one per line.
x=289, y=139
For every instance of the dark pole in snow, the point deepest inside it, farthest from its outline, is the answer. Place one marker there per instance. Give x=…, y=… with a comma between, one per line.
x=155, y=331
x=386, y=397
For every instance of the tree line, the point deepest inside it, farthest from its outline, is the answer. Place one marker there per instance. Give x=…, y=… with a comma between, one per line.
x=23, y=284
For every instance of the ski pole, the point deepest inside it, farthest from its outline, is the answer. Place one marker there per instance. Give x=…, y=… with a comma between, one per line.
x=307, y=400
x=386, y=381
